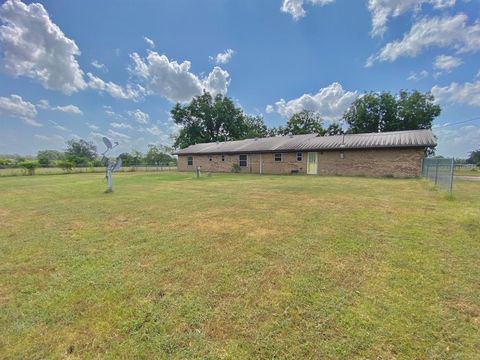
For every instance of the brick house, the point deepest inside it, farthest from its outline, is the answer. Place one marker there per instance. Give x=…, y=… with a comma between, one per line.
x=392, y=154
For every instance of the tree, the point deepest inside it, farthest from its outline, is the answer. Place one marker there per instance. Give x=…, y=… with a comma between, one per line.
x=334, y=129
x=46, y=157
x=304, y=122
x=254, y=127
x=378, y=112
x=273, y=131
x=474, y=157
x=29, y=166
x=66, y=165
x=127, y=159
x=158, y=155
x=80, y=152
x=208, y=119
x=137, y=157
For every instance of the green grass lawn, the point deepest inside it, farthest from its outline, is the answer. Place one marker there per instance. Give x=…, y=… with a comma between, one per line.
x=238, y=266
x=467, y=172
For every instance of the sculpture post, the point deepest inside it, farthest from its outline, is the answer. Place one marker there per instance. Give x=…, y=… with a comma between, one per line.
x=109, y=167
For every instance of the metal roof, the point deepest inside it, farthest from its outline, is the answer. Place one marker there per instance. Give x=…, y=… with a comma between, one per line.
x=394, y=139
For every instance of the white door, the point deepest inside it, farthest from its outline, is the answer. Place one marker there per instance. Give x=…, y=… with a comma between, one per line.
x=312, y=163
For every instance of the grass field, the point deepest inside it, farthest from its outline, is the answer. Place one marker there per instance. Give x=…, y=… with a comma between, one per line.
x=59, y=171
x=467, y=172
x=238, y=266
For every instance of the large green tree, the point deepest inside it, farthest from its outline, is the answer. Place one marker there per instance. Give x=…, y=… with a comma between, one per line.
x=304, y=122
x=474, y=157
x=254, y=127
x=334, y=129
x=80, y=152
x=208, y=119
x=158, y=155
x=378, y=112
x=46, y=157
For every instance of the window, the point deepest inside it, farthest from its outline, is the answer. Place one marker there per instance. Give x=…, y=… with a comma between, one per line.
x=299, y=156
x=209, y=157
x=277, y=157
x=242, y=160
x=223, y=157
x=190, y=161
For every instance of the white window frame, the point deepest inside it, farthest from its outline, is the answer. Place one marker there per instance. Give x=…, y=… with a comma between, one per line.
x=189, y=160
x=299, y=156
x=275, y=157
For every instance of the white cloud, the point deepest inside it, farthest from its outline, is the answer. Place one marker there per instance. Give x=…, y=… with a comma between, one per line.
x=122, y=125
x=295, y=7
x=330, y=102
x=33, y=46
x=99, y=65
x=15, y=106
x=154, y=130
x=45, y=105
x=416, y=77
x=467, y=93
x=225, y=57
x=139, y=116
x=68, y=109
x=457, y=142
x=446, y=62
x=217, y=81
x=173, y=80
x=116, y=134
x=108, y=110
x=382, y=10
x=58, y=126
x=92, y=126
x=269, y=109
x=149, y=42
x=446, y=32
x=129, y=92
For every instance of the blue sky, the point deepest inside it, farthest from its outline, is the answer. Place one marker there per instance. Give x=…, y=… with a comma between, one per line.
x=92, y=68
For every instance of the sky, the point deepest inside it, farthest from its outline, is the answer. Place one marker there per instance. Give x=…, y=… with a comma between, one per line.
x=87, y=69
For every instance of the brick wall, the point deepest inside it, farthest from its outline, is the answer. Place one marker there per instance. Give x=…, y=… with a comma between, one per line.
x=288, y=164
x=375, y=163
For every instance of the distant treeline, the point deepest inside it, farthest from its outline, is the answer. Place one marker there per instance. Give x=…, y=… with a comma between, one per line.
x=82, y=153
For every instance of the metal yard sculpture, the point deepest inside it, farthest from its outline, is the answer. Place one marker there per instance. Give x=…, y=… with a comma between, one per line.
x=110, y=166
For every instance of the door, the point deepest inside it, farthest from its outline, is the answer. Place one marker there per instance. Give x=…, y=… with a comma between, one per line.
x=312, y=163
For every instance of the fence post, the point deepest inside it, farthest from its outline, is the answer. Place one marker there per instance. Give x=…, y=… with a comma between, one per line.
x=452, y=168
x=436, y=172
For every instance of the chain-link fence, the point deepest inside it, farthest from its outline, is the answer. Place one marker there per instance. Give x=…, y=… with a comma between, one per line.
x=440, y=172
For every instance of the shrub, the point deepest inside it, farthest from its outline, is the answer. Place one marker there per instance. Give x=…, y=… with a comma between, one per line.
x=65, y=165
x=29, y=166
x=236, y=168
x=6, y=163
